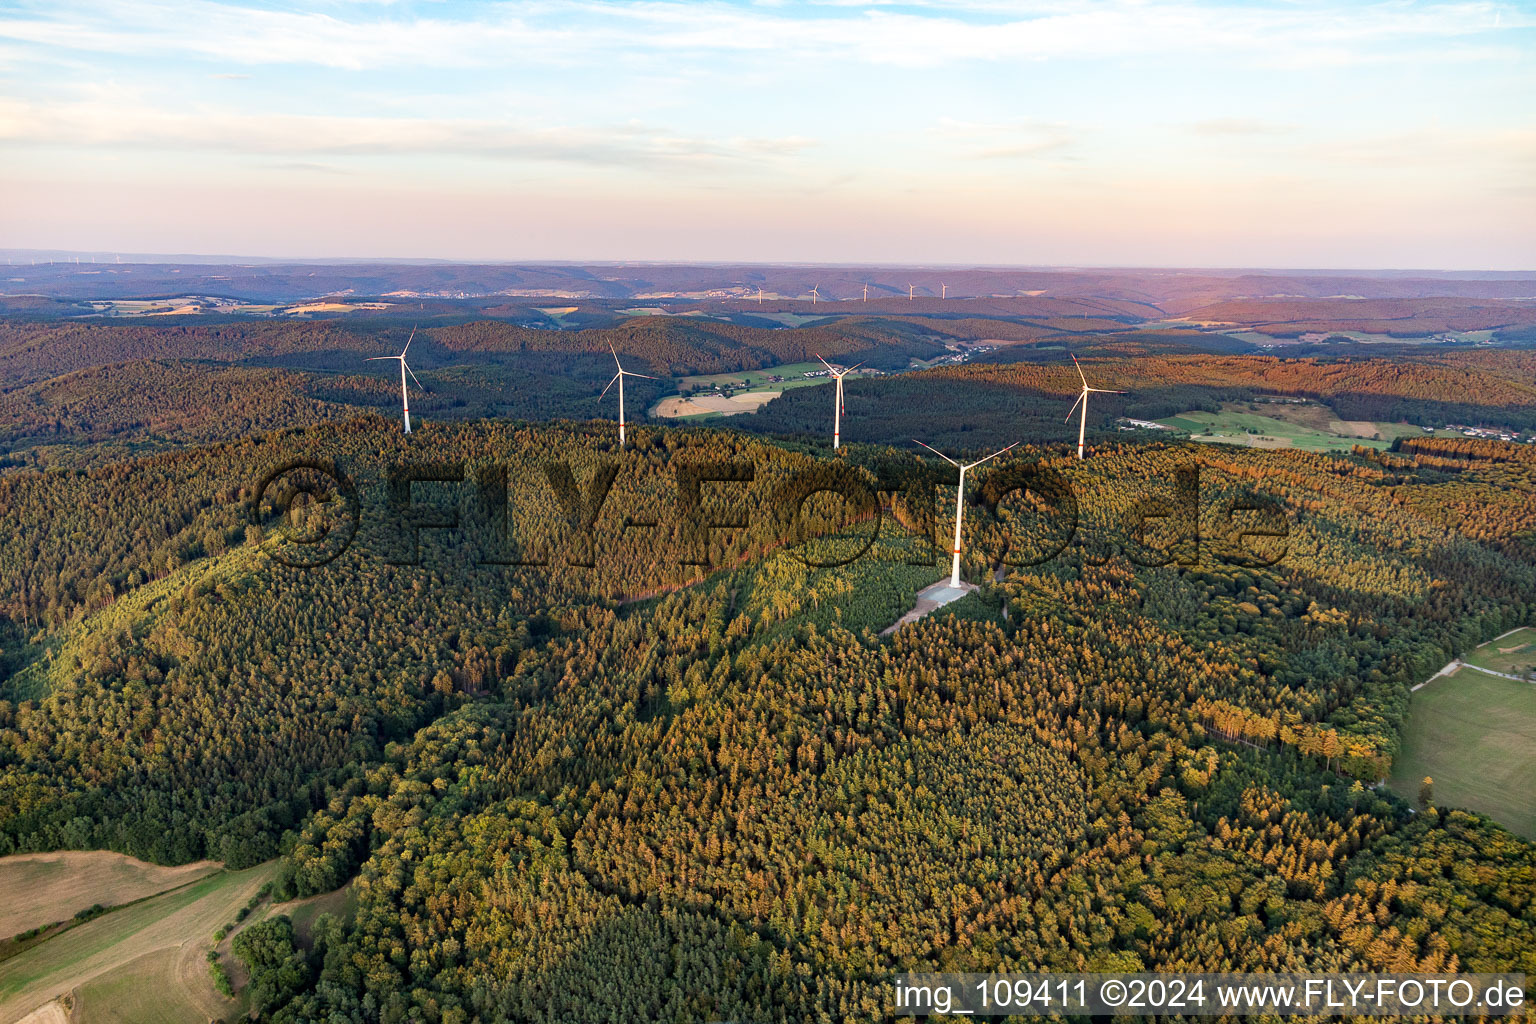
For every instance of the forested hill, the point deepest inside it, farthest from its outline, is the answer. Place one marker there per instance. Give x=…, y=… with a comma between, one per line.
x=103, y=388
x=651, y=789
x=667, y=345
x=996, y=403
x=86, y=384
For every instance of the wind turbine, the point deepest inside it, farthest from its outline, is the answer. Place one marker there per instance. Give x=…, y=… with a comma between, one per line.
x=866, y=291
x=405, y=398
x=618, y=378
x=814, y=295
x=759, y=295
x=1082, y=427
x=909, y=292
x=954, y=573
x=837, y=412
x=943, y=291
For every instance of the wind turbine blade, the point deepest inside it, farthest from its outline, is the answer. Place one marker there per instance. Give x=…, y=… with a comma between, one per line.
x=412, y=373
x=610, y=384
x=1079, y=368
x=408, y=344
x=825, y=363
x=615, y=357
x=994, y=455
x=1080, y=397
x=856, y=365
x=935, y=451
x=1107, y=391
x=630, y=373
x=374, y=359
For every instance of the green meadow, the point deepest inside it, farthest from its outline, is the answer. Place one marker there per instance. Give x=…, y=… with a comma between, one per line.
x=1475, y=735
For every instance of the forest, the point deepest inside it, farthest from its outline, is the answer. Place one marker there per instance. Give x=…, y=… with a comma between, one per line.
x=654, y=789
x=596, y=732
x=78, y=392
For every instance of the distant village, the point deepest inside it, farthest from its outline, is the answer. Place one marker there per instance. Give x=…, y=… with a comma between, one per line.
x=1487, y=433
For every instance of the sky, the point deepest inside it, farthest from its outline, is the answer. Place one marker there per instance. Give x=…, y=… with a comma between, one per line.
x=996, y=132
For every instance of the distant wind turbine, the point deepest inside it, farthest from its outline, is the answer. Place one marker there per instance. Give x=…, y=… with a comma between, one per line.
x=943, y=291
x=909, y=293
x=618, y=378
x=1082, y=427
x=866, y=291
x=759, y=295
x=814, y=295
x=837, y=412
x=405, y=398
x=954, y=573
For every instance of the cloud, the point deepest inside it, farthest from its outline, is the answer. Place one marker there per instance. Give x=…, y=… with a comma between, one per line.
x=306, y=167
x=365, y=36
x=117, y=120
x=1002, y=141
x=1222, y=126
x=1431, y=148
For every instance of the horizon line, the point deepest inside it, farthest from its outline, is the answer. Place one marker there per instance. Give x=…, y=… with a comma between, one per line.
x=229, y=259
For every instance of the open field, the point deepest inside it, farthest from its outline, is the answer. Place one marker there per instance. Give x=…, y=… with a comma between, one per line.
x=199, y=305
x=341, y=903
x=48, y=1013
x=1513, y=655
x=135, y=993
x=44, y=888
x=137, y=948
x=332, y=307
x=657, y=311
x=677, y=406
x=558, y=314
x=1315, y=416
x=760, y=390
x=1307, y=426
x=1475, y=735
x=752, y=378
x=789, y=319
x=172, y=985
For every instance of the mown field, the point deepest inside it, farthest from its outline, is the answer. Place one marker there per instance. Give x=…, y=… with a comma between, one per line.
x=154, y=948
x=1514, y=654
x=755, y=383
x=46, y=888
x=1288, y=425
x=753, y=378
x=1475, y=735
x=136, y=992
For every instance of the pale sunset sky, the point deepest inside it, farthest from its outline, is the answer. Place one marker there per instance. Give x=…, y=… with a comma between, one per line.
x=1038, y=132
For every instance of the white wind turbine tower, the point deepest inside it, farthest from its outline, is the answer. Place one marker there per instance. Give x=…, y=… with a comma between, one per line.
x=954, y=573
x=1082, y=427
x=618, y=379
x=866, y=291
x=814, y=294
x=943, y=291
x=405, y=398
x=837, y=410
x=909, y=292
